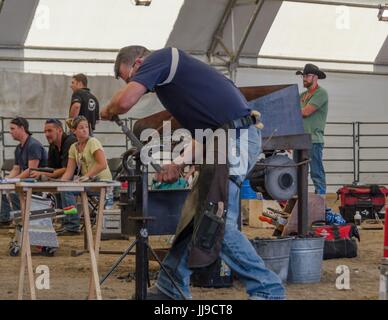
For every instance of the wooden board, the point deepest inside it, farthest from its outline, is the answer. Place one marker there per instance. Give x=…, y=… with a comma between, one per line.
x=67, y=184
x=253, y=208
x=7, y=186
x=316, y=211
x=372, y=224
x=58, y=186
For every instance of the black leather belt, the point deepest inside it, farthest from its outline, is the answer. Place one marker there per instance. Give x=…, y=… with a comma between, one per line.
x=246, y=121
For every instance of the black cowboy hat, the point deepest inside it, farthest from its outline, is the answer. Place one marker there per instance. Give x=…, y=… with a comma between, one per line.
x=312, y=69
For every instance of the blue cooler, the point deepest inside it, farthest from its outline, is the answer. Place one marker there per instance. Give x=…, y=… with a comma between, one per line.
x=246, y=192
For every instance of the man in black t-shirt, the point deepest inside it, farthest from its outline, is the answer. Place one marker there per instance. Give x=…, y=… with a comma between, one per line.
x=83, y=102
x=58, y=156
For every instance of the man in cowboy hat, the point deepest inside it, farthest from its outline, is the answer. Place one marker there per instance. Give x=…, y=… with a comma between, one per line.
x=314, y=106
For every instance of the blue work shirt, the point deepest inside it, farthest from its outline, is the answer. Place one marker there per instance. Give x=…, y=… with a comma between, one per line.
x=198, y=96
x=31, y=150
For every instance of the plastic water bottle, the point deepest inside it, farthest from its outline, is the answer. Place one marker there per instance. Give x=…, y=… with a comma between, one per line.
x=357, y=218
x=224, y=269
x=109, y=199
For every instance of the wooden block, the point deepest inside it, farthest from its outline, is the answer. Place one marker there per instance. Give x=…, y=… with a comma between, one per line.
x=372, y=225
x=251, y=209
x=316, y=211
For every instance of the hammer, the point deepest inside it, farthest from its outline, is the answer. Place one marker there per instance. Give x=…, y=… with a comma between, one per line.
x=134, y=140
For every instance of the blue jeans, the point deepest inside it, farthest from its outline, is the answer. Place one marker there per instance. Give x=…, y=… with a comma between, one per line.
x=317, y=172
x=6, y=208
x=237, y=251
x=71, y=222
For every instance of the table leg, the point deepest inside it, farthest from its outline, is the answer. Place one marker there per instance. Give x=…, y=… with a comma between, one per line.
x=303, y=226
x=99, y=221
x=25, y=204
x=88, y=230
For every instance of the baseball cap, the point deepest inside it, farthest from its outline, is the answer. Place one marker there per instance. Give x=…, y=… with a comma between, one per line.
x=21, y=122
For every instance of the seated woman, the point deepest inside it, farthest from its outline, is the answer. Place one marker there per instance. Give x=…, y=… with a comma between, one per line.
x=87, y=159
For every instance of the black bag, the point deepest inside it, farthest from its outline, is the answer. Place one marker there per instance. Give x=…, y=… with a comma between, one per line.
x=340, y=241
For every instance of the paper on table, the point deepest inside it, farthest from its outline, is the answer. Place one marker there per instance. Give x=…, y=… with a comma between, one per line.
x=10, y=180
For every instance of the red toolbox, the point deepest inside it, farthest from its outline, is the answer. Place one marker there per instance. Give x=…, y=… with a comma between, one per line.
x=368, y=200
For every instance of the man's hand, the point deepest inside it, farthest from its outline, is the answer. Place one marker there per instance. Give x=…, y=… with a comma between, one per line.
x=105, y=114
x=35, y=174
x=170, y=173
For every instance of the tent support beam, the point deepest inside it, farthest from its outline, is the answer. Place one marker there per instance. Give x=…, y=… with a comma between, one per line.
x=218, y=33
x=234, y=61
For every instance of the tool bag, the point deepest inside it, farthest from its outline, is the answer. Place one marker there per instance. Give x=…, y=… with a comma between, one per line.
x=209, y=222
x=367, y=199
x=209, y=227
x=340, y=241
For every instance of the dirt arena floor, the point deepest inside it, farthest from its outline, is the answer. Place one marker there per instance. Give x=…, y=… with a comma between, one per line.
x=69, y=276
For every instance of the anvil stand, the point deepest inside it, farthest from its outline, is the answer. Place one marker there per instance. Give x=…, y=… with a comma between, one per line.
x=300, y=144
x=139, y=203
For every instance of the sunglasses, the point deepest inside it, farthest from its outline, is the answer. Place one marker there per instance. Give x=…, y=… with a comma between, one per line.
x=54, y=121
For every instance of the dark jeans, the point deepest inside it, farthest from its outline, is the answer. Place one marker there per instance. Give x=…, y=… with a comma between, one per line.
x=317, y=172
x=71, y=222
x=6, y=208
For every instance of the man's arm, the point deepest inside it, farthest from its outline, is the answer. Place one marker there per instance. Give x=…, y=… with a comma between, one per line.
x=308, y=110
x=170, y=172
x=56, y=174
x=74, y=110
x=316, y=102
x=123, y=100
x=31, y=164
x=14, y=172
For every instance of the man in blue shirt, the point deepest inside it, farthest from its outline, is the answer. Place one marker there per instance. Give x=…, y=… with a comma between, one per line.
x=199, y=97
x=30, y=153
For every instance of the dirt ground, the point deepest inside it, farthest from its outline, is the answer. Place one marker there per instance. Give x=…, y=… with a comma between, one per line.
x=69, y=276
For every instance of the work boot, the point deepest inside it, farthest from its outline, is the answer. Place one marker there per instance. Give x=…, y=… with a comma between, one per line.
x=64, y=232
x=5, y=224
x=153, y=293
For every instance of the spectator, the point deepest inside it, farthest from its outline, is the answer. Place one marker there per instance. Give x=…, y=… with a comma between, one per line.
x=83, y=102
x=314, y=107
x=30, y=153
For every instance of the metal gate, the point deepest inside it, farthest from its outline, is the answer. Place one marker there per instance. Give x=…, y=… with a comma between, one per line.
x=354, y=151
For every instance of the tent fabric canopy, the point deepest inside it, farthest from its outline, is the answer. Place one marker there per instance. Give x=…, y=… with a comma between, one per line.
x=321, y=30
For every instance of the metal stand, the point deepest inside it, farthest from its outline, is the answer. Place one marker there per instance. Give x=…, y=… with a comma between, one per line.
x=138, y=198
x=142, y=248
x=383, y=292
x=300, y=143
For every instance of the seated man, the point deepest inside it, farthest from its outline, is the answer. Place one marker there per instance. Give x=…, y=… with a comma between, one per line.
x=30, y=153
x=58, y=155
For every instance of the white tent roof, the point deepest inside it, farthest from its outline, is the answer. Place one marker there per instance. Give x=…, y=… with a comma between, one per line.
x=284, y=34
x=102, y=24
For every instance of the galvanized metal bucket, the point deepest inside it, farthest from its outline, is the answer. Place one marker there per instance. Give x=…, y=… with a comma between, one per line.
x=306, y=258
x=275, y=254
